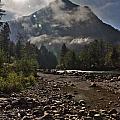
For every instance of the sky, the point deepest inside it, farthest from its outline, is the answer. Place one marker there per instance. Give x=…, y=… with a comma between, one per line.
x=106, y=10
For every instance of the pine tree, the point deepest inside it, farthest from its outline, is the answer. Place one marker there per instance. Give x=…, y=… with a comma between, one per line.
x=47, y=60
x=71, y=61
x=30, y=51
x=64, y=50
x=12, y=49
x=6, y=38
x=4, y=35
x=19, y=48
x=115, y=57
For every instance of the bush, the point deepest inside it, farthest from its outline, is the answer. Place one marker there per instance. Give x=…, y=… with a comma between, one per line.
x=2, y=57
x=15, y=83
x=26, y=66
x=6, y=69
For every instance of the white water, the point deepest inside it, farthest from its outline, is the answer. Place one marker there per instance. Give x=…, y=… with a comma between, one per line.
x=80, y=71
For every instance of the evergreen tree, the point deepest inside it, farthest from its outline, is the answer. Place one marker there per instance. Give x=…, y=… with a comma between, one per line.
x=64, y=50
x=19, y=48
x=71, y=61
x=47, y=60
x=2, y=58
x=12, y=49
x=4, y=35
x=115, y=57
x=6, y=38
x=30, y=51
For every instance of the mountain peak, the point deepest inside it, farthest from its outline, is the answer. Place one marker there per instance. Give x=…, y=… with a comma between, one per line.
x=69, y=3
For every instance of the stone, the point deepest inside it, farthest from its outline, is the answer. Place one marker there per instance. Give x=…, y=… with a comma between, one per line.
x=87, y=118
x=82, y=103
x=15, y=103
x=92, y=113
x=118, y=78
x=69, y=96
x=113, y=111
x=38, y=113
x=13, y=95
x=22, y=113
x=93, y=85
x=8, y=107
x=97, y=117
x=47, y=108
x=26, y=118
x=47, y=117
x=82, y=113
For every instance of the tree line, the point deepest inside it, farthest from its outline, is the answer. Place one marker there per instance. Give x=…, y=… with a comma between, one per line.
x=98, y=55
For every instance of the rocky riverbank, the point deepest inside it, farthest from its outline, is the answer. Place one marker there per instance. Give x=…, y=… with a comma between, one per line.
x=74, y=96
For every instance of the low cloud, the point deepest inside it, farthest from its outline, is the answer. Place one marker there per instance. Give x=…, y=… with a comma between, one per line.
x=71, y=16
x=24, y=7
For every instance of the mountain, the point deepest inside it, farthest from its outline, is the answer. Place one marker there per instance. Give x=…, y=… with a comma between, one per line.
x=62, y=22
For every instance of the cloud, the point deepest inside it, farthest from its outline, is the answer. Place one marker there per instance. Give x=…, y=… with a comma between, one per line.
x=24, y=7
x=107, y=10
x=69, y=17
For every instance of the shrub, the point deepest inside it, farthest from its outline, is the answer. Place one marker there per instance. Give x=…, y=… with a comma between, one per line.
x=15, y=83
x=26, y=66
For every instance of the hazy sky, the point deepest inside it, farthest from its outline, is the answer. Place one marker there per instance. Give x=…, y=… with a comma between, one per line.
x=107, y=10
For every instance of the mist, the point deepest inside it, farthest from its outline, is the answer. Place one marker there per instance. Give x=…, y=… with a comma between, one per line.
x=18, y=9
x=68, y=17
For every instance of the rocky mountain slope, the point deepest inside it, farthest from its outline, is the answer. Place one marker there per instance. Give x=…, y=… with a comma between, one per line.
x=62, y=22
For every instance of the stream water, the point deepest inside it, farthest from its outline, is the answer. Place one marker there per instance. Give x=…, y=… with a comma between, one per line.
x=80, y=71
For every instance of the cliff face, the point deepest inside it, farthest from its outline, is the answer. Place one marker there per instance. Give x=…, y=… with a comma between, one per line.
x=63, y=21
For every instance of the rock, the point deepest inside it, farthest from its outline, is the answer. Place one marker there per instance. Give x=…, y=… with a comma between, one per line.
x=72, y=85
x=22, y=114
x=111, y=102
x=97, y=117
x=47, y=117
x=82, y=103
x=103, y=112
x=53, y=108
x=38, y=113
x=69, y=96
x=113, y=111
x=76, y=93
x=13, y=95
x=82, y=113
x=98, y=90
x=92, y=113
x=93, y=85
x=114, y=116
x=26, y=118
x=15, y=103
x=118, y=78
x=83, y=108
x=47, y=108
x=8, y=107
x=114, y=79
x=87, y=118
